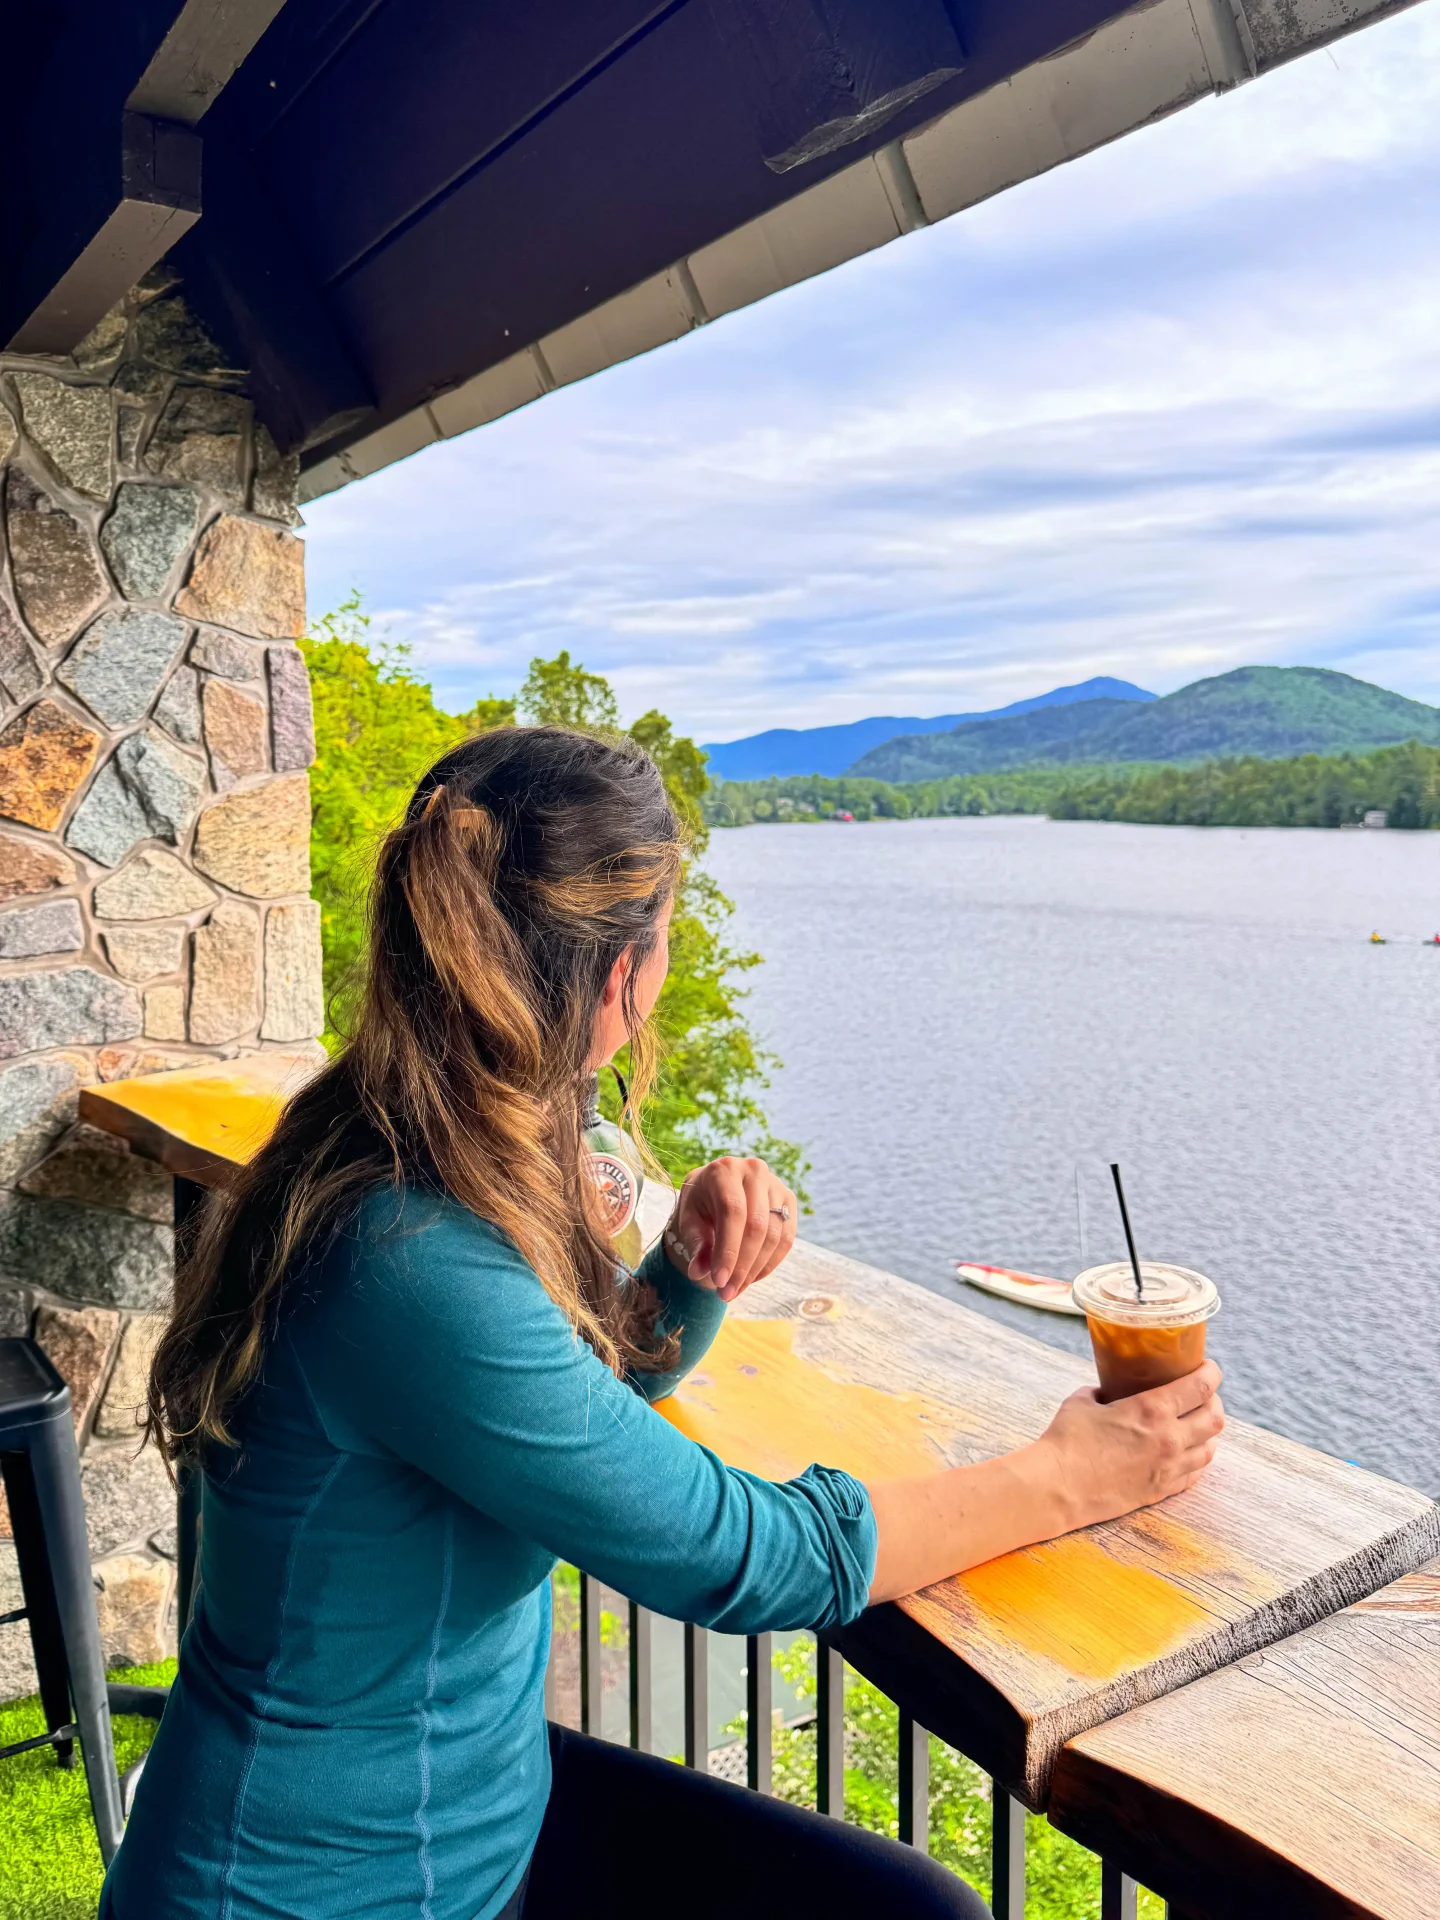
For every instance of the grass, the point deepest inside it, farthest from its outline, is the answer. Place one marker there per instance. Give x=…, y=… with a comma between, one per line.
x=49, y=1858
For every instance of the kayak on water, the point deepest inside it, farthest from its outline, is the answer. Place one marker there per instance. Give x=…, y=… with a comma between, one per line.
x=1029, y=1289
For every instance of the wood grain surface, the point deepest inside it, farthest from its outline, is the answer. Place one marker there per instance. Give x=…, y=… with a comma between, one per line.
x=1304, y=1780
x=199, y=1122
x=836, y=1362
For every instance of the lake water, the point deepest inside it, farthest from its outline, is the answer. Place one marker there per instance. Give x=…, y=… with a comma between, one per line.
x=970, y=1010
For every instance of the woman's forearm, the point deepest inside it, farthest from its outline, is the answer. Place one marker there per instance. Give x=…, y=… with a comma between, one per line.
x=1093, y=1462
x=942, y=1523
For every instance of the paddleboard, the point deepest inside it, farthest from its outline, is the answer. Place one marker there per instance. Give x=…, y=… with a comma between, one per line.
x=1029, y=1289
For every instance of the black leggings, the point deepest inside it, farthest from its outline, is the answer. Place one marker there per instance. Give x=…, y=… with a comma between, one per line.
x=626, y=1834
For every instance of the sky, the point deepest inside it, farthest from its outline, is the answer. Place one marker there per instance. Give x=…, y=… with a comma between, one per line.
x=1170, y=409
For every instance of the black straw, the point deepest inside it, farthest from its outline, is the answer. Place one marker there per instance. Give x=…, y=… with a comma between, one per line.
x=1129, y=1236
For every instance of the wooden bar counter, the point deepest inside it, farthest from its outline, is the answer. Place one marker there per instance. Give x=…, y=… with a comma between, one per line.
x=833, y=1361
x=1304, y=1780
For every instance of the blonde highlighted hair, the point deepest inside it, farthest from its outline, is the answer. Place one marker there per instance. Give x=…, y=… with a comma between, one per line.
x=529, y=860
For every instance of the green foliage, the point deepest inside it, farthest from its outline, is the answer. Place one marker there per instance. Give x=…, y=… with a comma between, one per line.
x=1267, y=713
x=557, y=694
x=49, y=1858
x=1062, y=1878
x=1312, y=790
x=377, y=729
x=811, y=799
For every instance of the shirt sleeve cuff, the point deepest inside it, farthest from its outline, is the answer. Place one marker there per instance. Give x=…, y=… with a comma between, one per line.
x=844, y=1508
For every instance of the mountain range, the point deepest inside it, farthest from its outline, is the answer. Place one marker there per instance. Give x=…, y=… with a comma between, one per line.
x=783, y=751
x=1272, y=713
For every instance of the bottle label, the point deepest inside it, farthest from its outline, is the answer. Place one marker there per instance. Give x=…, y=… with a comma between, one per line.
x=619, y=1186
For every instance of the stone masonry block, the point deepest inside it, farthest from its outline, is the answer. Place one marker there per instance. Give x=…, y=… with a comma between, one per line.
x=37, y=1103
x=165, y=1013
x=146, y=535
x=93, y=1166
x=91, y=1255
x=118, y=1418
x=17, y=1664
x=236, y=732
x=277, y=478
x=117, y=665
x=29, y=866
x=54, y=927
x=153, y=886
x=64, y=1007
x=72, y=428
x=142, y=953
x=225, y=975
x=222, y=653
x=127, y=1496
x=105, y=342
x=132, y=1604
x=248, y=577
x=168, y=335
x=45, y=756
x=58, y=578
x=292, y=719
x=123, y=1063
x=147, y=789
x=15, y=1312
x=201, y=437
x=78, y=1340
x=258, y=841
x=21, y=670
x=294, y=990
x=9, y=435
x=178, y=709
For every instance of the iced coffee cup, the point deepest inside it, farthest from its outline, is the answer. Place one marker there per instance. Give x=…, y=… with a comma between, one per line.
x=1149, y=1338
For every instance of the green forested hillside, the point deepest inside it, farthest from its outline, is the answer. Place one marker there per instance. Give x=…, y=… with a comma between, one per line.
x=1267, y=713
x=1310, y=791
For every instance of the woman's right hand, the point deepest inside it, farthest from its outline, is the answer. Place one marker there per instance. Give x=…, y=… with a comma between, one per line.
x=1111, y=1459
x=1092, y=1463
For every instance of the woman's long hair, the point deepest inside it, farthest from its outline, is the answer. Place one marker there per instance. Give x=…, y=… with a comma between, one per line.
x=528, y=861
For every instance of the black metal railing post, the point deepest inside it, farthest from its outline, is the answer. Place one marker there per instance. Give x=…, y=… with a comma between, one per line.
x=759, y=1766
x=641, y=1689
x=914, y=1784
x=1007, y=1856
x=590, y=1686
x=1118, y=1893
x=697, y=1697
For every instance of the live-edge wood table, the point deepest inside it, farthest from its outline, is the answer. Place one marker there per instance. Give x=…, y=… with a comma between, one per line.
x=1304, y=1780
x=834, y=1361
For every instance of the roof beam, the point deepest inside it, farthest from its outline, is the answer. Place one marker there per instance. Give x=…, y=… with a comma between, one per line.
x=119, y=174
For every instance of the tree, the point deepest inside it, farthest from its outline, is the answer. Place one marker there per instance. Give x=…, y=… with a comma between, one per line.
x=557, y=694
x=377, y=729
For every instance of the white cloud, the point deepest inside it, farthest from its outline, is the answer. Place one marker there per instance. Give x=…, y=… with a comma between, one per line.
x=1167, y=410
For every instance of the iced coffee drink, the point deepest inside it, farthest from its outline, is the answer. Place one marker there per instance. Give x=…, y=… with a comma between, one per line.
x=1146, y=1337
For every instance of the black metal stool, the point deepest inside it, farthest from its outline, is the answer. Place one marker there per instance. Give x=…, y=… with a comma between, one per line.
x=47, y=1515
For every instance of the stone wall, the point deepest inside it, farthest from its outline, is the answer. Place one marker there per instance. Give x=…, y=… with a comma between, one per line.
x=154, y=850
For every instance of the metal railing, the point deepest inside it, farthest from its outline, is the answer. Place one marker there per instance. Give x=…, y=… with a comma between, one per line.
x=1118, y=1893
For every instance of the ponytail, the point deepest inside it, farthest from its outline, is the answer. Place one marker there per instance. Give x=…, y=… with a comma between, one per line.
x=528, y=862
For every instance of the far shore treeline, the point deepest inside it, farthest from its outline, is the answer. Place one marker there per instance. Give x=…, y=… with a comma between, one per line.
x=1313, y=790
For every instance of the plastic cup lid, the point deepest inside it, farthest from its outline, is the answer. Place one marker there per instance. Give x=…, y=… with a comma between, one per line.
x=1172, y=1296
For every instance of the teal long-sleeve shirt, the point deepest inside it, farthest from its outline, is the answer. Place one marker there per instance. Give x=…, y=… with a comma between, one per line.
x=358, y=1728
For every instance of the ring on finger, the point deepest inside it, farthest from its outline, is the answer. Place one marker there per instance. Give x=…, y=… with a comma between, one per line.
x=781, y=1213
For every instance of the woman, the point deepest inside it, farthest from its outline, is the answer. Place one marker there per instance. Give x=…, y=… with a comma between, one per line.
x=404, y=1359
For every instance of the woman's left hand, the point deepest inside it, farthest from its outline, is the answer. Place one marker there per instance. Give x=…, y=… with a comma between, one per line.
x=735, y=1220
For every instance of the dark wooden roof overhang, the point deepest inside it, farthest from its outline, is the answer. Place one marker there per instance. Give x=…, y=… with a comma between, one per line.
x=408, y=216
